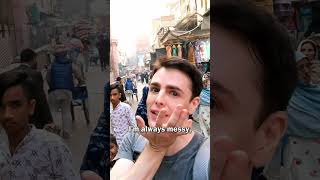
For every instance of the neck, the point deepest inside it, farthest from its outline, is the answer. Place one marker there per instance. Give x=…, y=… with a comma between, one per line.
x=17, y=137
x=179, y=144
x=114, y=105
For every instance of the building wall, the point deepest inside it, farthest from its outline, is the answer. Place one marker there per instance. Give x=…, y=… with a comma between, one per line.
x=22, y=29
x=7, y=34
x=6, y=50
x=114, y=68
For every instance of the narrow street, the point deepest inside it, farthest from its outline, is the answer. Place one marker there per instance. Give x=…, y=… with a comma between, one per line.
x=81, y=132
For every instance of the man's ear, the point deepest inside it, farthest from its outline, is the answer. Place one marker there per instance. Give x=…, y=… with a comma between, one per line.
x=268, y=137
x=194, y=104
x=32, y=106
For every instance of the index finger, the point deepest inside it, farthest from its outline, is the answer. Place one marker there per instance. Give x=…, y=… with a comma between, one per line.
x=161, y=118
x=222, y=146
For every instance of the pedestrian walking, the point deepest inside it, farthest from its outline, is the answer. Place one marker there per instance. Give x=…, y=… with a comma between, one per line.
x=103, y=47
x=86, y=49
x=129, y=87
x=60, y=80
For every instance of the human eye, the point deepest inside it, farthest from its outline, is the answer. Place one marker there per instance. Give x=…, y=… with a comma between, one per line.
x=154, y=89
x=174, y=93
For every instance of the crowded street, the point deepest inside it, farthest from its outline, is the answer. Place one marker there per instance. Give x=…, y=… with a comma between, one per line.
x=159, y=90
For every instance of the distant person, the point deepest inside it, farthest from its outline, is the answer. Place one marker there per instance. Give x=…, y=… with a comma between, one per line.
x=86, y=48
x=60, y=80
x=104, y=48
x=123, y=95
x=129, y=87
x=309, y=48
x=142, y=77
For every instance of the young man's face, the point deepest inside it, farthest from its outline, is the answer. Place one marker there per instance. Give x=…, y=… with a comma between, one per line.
x=15, y=110
x=115, y=96
x=237, y=99
x=168, y=88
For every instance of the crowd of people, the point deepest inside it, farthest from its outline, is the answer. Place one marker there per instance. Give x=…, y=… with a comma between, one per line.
x=35, y=118
x=263, y=101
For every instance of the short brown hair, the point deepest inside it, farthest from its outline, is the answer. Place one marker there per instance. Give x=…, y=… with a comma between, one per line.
x=183, y=66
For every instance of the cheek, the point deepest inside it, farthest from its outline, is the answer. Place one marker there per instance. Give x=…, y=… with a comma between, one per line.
x=150, y=100
x=235, y=127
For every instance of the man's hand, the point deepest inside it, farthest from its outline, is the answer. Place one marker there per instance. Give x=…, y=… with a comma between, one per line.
x=162, y=141
x=228, y=162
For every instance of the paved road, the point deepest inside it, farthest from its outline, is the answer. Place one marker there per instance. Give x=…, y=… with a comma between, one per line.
x=81, y=132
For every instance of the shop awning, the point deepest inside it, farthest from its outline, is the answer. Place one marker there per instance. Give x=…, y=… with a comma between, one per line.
x=171, y=38
x=192, y=27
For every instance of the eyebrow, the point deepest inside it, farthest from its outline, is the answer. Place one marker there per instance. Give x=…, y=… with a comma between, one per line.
x=220, y=87
x=172, y=87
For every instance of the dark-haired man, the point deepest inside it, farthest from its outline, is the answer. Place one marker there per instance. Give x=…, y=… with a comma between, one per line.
x=27, y=152
x=42, y=116
x=173, y=96
x=251, y=88
x=121, y=114
x=123, y=95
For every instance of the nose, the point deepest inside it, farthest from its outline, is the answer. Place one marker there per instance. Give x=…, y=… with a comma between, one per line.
x=160, y=99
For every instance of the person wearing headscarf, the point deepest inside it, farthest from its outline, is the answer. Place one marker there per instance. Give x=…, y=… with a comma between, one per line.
x=299, y=151
x=309, y=48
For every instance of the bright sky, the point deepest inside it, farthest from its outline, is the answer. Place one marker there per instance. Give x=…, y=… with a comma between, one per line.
x=129, y=18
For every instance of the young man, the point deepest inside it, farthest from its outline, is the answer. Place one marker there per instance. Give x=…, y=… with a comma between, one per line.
x=42, y=116
x=121, y=114
x=173, y=96
x=251, y=88
x=27, y=152
x=123, y=95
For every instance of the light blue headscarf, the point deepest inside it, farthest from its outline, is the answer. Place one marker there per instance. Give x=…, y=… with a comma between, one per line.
x=303, y=115
x=304, y=109
x=304, y=112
